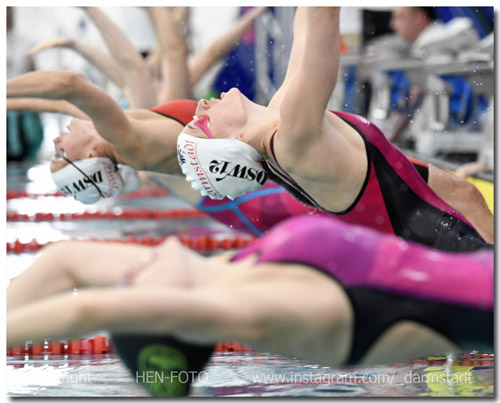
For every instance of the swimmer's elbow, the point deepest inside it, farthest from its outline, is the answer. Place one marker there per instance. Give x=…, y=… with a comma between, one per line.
x=70, y=83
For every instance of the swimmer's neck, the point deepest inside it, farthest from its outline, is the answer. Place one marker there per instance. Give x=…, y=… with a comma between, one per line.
x=261, y=126
x=104, y=148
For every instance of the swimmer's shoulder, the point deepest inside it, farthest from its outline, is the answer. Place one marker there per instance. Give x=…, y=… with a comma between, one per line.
x=144, y=114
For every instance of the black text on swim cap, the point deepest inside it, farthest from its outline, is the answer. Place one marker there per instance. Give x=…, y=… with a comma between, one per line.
x=226, y=169
x=82, y=184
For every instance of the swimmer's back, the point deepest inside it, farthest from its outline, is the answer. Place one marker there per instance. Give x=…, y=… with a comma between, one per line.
x=389, y=280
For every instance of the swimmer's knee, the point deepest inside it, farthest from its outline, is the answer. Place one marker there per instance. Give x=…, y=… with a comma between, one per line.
x=171, y=242
x=60, y=255
x=448, y=185
x=59, y=249
x=468, y=191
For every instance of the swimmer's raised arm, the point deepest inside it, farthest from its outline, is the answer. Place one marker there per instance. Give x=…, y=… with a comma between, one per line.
x=173, y=50
x=45, y=105
x=311, y=86
x=139, y=89
x=102, y=60
x=299, y=40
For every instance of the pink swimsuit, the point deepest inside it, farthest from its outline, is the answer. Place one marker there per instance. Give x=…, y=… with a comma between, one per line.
x=388, y=279
x=394, y=197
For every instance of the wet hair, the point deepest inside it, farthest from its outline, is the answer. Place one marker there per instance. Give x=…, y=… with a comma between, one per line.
x=430, y=12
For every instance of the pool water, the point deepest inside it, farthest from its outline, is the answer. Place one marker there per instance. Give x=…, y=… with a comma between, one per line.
x=253, y=374
x=228, y=374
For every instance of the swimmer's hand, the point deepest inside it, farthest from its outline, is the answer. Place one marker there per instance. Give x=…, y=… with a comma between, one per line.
x=59, y=42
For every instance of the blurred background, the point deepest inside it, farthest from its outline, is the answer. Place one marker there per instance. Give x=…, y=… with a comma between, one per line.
x=424, y=75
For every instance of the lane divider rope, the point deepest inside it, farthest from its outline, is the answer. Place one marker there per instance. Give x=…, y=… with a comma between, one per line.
x=95, y=345
x=102, y=345
x=116, y=214
x=201, y=243
x=20, y=194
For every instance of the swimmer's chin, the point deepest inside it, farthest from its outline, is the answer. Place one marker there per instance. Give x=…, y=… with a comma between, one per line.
x=56, y=164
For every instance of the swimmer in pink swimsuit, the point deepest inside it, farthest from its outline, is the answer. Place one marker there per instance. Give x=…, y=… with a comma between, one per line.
x=342, y=290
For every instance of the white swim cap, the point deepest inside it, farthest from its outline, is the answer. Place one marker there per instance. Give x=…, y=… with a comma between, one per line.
x=90, y=179
x=220, y=168
x=131, y=179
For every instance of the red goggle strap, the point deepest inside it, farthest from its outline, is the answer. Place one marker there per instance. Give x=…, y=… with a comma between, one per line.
x=203, y=123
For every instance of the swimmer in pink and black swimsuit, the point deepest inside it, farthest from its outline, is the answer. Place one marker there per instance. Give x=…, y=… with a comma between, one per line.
x=332, y=161
x=389, y=280
x=258, y=211
x=253, y=213
x=394, y=198
x=342, y=289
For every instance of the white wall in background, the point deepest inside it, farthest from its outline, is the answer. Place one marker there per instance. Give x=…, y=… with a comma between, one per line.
x=350, y=21
x=43, y=23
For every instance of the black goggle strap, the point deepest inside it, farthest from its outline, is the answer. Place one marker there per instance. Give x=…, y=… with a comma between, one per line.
x=84, y=174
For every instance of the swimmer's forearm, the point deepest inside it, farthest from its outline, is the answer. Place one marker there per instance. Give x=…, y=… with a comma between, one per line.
x=48, y=84
x=107, y=116
x=103, y=61
x=64, y=265
x=70, y=86
x=137, y=85
x=173, y=50
x=322, y=51
x=55, y=318
x=44, y=105
x=45, y=277
x=168, y=34
x=311, y=87
x=299, y=35
x=120, y=47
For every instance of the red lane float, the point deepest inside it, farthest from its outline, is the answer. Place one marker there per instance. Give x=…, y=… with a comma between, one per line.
x=202, y=243
x=118, y=214
x=20, y=194
x=95, y=345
